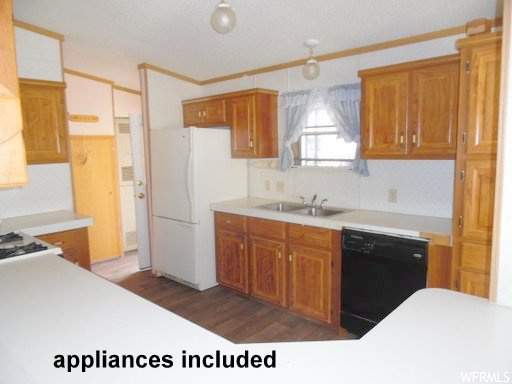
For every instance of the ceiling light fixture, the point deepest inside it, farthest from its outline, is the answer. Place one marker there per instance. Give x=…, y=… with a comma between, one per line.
x=311, y=69
x=223, y=18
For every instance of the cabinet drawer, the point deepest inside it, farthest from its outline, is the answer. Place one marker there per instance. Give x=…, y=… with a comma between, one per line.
x=74, y=245
x=475, y=256
x=230, y=222
x=267, y=228
x=320, y=237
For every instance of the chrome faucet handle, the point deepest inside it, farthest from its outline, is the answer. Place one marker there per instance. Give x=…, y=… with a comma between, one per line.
x=322, y=203
x=313, y=200
x=303, y=200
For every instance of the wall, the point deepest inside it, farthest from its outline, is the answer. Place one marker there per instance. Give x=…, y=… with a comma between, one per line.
x=126, y=103
x=49, y=189
x=424, y=187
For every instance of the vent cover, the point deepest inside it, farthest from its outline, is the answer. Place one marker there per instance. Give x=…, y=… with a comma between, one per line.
x=127, y=173
x=131, y=239
x=124, y=127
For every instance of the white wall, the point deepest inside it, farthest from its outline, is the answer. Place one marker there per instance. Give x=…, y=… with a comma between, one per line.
x=49, y=189
x=424, y=187
x=126, y=103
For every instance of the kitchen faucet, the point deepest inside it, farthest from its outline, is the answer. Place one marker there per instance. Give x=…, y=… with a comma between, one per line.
x=313, y=200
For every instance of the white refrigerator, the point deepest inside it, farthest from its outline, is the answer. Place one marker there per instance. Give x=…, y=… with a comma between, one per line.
x=190, y=168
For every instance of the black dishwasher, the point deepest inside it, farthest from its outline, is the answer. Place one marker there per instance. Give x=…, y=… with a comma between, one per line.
x=378, y=273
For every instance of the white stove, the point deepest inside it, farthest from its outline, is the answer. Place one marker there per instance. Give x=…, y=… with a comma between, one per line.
x=15, y=245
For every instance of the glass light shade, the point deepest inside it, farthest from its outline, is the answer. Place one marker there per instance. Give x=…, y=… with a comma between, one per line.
x=223, y=18
x=311, y=69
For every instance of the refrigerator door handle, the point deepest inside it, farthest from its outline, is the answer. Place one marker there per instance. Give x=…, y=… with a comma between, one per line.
x=190, y=165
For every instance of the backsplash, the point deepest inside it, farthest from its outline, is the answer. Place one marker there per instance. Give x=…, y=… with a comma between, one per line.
x=423, y=187
x=49, y=189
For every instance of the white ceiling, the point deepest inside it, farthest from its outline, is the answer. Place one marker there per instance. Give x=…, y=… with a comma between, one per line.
x=176, y=34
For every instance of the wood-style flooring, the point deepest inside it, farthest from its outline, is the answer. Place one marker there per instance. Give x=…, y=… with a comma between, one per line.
x=225, y=312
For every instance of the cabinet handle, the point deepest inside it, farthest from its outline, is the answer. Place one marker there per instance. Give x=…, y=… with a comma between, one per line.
x=290, y=257
x=279, y=255
x=401, y=138
x=58, y=243
x=251, y=144
x=228, y=221
x=199, y=114
x=462, y=175
x=464, y=137
x=204, y=113
x=241, y=246
x=414, y=138
x=460, y=221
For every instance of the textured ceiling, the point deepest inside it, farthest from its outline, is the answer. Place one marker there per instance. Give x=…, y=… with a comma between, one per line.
x=176, y=34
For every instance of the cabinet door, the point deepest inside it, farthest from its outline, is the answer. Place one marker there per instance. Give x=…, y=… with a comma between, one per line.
x=44, y=121
x=483, y=64
x=74, y=245
x=478, y=198
x=474, y=283
x=243, y=125
x=434, y=110
x=268, y=280
x=232, y=267
x=310, y=282
x=214, y=112
x=384, y=115
x=192, y=114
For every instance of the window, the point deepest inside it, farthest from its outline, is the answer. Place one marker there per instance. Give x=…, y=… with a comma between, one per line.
x=319, y=145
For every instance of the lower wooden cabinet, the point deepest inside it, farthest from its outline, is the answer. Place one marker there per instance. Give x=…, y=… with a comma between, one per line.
x=474, y=283
x=74, y=244
x=289, y=265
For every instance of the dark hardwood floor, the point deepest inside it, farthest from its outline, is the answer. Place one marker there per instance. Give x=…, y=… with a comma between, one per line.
x=225, y=312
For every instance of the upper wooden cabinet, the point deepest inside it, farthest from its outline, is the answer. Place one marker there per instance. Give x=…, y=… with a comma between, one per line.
x=44, y=118
x=251, y=114
x=475, y=166
x=205, y=114
x=13, y=168
x=409, y=110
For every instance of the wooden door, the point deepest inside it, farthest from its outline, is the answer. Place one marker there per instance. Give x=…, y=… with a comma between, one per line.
x=483, y=65
x=192, y=114
x=478, y=198
x=243, y=126
x=232, y=267
x=474, y=283
x=434, y=110
x=44, y=120
x=384, y=115
x=215, y=112
x=268, y=278
x=96, y=189
x=310, y=280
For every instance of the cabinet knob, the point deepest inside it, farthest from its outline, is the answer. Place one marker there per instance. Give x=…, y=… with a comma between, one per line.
x=141, y=195
x=279, y=255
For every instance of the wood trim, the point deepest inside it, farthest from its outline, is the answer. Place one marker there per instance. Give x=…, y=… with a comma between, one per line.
x=48, y=83
x=125, y=89
x=483, y=38
x=502, y=181
x=410, y=65
x=169, y=73
x=87, y=76
x=36, y=29
x=231, y=94
x=437, y=239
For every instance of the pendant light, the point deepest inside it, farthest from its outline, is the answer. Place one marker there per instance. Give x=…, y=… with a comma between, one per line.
x=311, y=69
x=223, y=18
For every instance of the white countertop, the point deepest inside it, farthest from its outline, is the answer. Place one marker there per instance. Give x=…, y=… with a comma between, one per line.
x=51, y=307
x=43, y=223
x=387, y=222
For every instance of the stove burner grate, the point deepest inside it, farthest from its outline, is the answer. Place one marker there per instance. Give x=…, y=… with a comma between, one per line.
x=10, y=237
x=16, y=250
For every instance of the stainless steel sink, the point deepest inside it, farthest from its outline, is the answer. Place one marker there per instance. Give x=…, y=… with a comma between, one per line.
x=282, y=207
x=314, y=211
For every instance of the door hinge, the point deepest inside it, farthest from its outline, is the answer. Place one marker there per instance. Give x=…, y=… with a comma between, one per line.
x=468, y=66
x=460, y=221
x=464, y=137
x=462, y=175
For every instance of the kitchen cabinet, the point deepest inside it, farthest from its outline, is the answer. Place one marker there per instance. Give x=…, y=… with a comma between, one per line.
x=251, y=115
x=231, y=251
x=409, y=110
x=289, y=265
x=475, y=166
x=74, y=244
x=205, y=114
x=13, y=167
x=44, y=120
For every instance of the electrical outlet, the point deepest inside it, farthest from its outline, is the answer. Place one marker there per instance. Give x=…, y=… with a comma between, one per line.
x=392, y=195
x=267, y=185
x=279, y=186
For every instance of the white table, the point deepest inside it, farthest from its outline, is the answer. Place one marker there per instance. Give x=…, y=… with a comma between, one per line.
x=49, y=307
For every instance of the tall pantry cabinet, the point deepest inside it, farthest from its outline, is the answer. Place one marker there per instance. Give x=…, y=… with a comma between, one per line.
x=475, y=169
